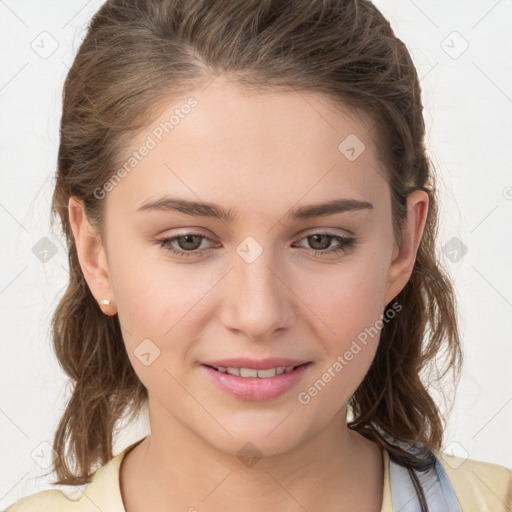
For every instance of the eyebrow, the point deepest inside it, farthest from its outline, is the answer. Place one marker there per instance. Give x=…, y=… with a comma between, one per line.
x=202, y=209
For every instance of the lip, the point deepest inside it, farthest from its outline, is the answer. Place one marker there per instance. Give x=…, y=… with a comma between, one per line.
x=255, y=389
x=256, y=364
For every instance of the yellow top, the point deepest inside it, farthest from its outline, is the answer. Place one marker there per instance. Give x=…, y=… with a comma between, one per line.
x=479, y=487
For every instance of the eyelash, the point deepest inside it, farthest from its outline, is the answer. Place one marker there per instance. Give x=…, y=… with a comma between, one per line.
x=347, y=244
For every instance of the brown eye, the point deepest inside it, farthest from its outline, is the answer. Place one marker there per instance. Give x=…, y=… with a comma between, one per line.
x=191, y=242
x=184, y=245
x=319, y=242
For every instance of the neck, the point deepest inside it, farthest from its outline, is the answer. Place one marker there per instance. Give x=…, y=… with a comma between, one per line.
x=174, y=469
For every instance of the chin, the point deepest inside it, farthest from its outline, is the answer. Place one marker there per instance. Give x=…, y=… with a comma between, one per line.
x=260, y=439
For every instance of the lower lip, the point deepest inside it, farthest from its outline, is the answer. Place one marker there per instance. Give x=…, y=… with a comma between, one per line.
x=253, y=388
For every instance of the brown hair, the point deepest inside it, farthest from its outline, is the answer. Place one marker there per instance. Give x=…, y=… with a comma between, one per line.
x=139, y=52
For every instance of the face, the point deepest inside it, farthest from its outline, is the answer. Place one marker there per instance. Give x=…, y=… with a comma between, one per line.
x=262, y=283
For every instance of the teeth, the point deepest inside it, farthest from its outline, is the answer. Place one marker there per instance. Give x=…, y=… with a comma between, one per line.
x=251, y=372
x=248, y=372
x=264, y=374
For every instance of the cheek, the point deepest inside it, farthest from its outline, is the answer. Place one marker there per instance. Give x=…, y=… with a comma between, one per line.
x=160, y=306
x=346, y=298
x=348, y=305
x=152, y=293
x=347, y=301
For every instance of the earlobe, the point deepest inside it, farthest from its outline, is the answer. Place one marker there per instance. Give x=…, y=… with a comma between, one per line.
x=91, y=255
x=404, y=254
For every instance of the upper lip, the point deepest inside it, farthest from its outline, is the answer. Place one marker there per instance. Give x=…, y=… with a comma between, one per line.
x=256, y=364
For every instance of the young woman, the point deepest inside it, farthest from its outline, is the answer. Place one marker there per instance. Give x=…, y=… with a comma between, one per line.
x=252, y=220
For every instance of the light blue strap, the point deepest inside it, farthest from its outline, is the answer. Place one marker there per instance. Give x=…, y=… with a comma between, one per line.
x=436, y=485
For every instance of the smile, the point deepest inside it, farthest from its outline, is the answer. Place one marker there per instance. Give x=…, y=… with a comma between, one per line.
x=251, y=384
x=252, y=372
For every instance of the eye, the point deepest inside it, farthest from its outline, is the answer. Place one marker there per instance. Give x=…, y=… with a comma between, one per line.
x=189, y=244
x=321, y=243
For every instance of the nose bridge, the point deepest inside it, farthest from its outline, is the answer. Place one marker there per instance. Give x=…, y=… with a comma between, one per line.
x=258, y=301
x=256, y=270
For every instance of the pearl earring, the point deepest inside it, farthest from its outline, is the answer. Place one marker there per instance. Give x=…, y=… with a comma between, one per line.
x=105, y=301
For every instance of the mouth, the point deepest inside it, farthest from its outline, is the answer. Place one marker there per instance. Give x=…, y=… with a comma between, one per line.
x=257, y=384
x=256, y=373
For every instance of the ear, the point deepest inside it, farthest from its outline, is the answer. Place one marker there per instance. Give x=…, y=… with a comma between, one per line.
x=91, y=255
x=404, y=253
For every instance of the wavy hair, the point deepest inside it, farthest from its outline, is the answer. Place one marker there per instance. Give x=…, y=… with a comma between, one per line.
x=137, y=53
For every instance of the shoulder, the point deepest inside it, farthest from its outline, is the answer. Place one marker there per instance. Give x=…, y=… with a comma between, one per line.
x=479, y=486
x=103, y=493
x=48, y=501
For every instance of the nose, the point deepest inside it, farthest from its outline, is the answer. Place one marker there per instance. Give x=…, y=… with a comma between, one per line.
x=258, y=299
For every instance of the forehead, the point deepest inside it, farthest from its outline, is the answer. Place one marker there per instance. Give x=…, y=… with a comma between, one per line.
x=264, y=150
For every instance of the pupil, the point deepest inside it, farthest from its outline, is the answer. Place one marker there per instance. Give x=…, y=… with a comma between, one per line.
x=187, y=239
x=316, y=237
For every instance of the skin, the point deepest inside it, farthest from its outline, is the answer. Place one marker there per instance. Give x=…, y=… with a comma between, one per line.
x=260, y=155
